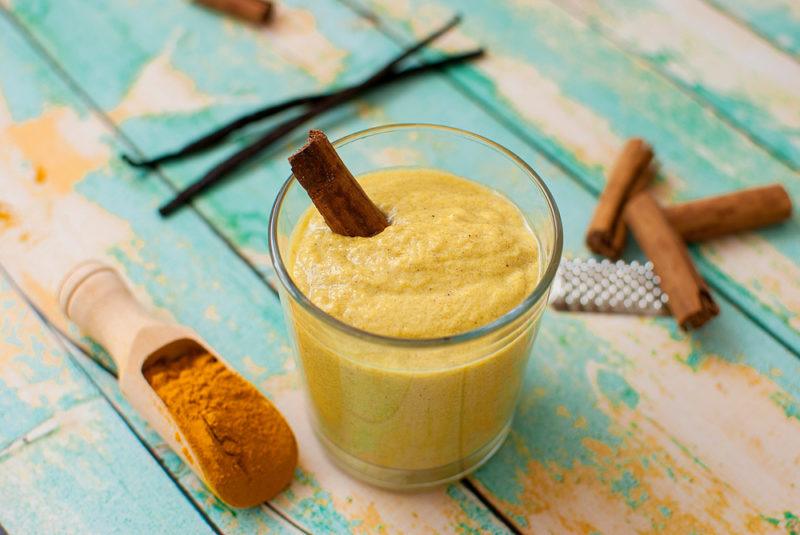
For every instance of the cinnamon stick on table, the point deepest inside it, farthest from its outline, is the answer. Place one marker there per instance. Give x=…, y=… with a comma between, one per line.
x=690, y=300
x=630, y=174
x=255, y=11
x=733, y=212
x=334, y=191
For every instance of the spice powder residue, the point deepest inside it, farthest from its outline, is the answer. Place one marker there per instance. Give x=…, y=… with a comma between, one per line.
x=244, y=447
x=6, y=215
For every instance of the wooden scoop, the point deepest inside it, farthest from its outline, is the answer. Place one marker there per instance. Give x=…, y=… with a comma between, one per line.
x=94, y=296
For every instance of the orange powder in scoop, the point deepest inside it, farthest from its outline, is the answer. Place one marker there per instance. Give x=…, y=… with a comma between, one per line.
x=243, y=446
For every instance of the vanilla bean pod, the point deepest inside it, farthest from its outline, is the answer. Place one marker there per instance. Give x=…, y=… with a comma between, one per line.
x=220, y=134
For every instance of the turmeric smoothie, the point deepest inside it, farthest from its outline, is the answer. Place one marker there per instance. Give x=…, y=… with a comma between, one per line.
x=456, y=257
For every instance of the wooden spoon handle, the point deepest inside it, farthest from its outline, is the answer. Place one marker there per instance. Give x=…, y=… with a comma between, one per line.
x=94, y=296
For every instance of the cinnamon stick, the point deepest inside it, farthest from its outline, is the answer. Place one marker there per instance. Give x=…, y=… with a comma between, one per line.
x=255, y=11
x=690, y=300
x=620, y=232
x=629, y=174
x=734, y=212
x=334, y=191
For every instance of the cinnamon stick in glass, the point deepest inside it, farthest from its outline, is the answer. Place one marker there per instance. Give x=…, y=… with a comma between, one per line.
x=255, y=11
x=334, y=191
x=747, y=209
x=690, y=300
x=628, y=175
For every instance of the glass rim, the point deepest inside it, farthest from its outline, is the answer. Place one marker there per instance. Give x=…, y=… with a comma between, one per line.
x=529, y=302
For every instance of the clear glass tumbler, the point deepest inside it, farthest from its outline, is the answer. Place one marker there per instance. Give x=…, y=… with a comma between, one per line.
x=408, y=413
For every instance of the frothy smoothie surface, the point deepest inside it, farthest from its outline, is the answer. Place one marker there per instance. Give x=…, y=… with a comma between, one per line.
x=456, y=256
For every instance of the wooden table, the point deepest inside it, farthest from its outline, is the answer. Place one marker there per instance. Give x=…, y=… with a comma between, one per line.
x=625, y=425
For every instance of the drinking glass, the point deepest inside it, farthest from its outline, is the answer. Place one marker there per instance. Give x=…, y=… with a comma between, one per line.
x=408, y=413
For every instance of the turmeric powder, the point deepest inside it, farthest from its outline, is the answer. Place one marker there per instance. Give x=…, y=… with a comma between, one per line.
x=243, y=446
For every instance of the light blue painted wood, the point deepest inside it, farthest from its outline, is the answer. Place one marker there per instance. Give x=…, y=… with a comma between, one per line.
x=678, y=129
x=568, y=91
x=68, y=462
x=775, y=20
x=748, y=82
x=256, y=331
x=184, y=267
x=601, y=421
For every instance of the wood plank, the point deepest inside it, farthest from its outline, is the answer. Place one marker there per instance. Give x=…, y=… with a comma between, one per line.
x=66, y=198
x=68, y=462
x=626, y=426
x=568, y=91
x=572, y=425
x=746, y=80
x=775, y=20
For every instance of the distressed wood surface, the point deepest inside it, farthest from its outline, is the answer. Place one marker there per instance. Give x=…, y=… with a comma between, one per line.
x=66, y=196
x=747, y=82
x=778, y=21
x=569, y=91
x=624, y=425
x=68, y=461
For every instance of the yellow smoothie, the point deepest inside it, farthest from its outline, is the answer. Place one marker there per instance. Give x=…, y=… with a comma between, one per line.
x=456, y=256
